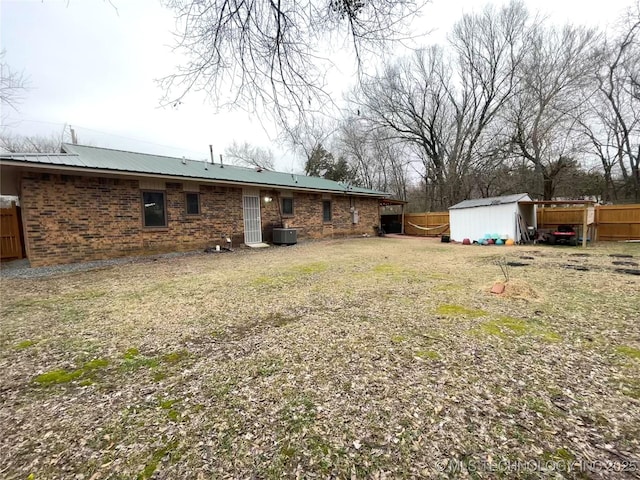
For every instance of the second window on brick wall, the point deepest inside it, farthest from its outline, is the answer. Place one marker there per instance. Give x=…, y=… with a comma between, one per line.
x=287, y=206
x=193, y=203
x=326, y=210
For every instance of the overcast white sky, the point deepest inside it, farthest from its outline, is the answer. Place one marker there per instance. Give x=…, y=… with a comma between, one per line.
x=94, y=68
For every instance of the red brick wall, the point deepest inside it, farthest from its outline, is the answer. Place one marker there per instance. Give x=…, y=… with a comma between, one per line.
x=307, y=215
x=69, y=219
x=73, y=219
x=220, y=216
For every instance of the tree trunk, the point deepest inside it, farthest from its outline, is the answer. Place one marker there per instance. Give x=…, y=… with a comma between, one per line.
x=548, y=187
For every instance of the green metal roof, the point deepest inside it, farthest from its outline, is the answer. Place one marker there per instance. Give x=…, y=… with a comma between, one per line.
x=93, y=158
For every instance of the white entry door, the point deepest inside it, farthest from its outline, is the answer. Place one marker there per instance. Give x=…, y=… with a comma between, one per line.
x=252, y=224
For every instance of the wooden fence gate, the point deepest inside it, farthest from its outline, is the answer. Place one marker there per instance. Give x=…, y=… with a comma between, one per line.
x=10, y=233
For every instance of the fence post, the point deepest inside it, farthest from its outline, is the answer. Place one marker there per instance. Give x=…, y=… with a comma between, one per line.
x=585, y=211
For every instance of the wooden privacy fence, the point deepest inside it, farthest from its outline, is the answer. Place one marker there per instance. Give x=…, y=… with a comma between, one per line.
x=613, y=222
x=10, y=234
x=430, y=224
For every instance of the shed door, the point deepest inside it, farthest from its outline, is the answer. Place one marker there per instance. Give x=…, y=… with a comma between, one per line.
x=252, y=223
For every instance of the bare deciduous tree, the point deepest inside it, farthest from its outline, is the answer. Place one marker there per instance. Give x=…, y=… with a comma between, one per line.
x=12, y=84
x=444, y=105
x=553, y=79
x=247, y=155
x=309, y=135
x=30, y=143
x=378, y=161
x=408, y=102
x=603, y=140
x=612, y=122
x=272, y=54
x=354, y=144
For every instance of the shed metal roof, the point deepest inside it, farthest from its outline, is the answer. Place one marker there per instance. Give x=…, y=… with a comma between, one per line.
x=83, y=157
x=486, y=202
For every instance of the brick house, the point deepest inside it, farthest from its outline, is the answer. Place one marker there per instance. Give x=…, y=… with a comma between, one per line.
x=90, y=203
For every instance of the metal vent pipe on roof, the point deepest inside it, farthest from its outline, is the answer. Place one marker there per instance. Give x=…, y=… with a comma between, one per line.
x=211, y=155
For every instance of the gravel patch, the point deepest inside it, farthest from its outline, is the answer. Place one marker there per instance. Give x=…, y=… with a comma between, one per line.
x=21, y=269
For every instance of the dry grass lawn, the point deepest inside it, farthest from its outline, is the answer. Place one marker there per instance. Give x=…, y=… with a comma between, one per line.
x=357, y=358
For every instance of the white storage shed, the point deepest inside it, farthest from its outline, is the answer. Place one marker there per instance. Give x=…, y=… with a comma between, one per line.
x=505, y=216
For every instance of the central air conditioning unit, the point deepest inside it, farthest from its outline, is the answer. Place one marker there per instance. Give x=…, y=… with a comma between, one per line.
x=285, y=236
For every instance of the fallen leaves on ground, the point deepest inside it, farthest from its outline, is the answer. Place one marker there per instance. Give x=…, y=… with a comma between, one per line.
x=355, y=358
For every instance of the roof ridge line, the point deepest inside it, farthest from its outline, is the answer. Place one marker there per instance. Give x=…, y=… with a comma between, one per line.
x=135, y=153
x=165, y=156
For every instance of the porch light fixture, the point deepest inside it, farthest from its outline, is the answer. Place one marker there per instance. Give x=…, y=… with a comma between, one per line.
x=268, y=199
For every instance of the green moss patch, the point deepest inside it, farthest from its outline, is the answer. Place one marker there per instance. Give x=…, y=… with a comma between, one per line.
x=628, y=351
x=58, y=376
x=131, y=354
x=560, y=454
x=396, y=272
x=175, y=357
x=156, y=458
x=167, y=403
x=505, y=327
x=290, y=276
x=172, y=413
x=85, y=373
x=95, y=364
x=159, y=376
x=385, y=268
x=311, y=268
x=24, y=344
x=139, y=362
x=459, y=310
x=515, y=325
x=631, y=389
x=551, y=337
x=430, y=354
x=134, y=360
